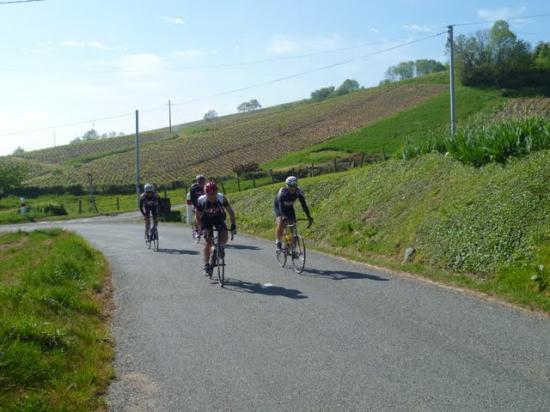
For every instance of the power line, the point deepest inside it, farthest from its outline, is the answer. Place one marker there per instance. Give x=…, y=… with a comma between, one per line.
x=18, y=1
x=534, y=16
x=206, y=66
x=277, y=80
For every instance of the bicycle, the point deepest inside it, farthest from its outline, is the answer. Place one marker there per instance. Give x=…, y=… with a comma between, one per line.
x=196, y=235
x=218, y=256
x=293, y=246
x=152, y=238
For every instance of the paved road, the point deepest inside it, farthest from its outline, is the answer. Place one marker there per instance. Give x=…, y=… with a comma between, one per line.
x=337, y=337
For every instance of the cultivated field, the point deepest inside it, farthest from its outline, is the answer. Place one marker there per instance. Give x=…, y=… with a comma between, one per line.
x=216, y=147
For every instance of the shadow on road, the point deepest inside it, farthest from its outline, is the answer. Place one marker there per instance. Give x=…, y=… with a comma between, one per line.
x=178, y=251
x=236, y=285
x=242, y=247
x=342, y=275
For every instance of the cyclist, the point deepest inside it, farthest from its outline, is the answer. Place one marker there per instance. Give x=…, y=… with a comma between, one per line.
x=210, y=214
x=196, y=191
x=283, y=206
x=149, y=205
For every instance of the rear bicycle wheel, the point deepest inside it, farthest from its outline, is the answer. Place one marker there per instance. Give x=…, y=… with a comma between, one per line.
x=220, y=263
x=298, y=254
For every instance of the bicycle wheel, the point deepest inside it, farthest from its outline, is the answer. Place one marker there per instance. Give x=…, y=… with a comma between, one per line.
x=196, y=236
x=148, y=241
x=281, y=255
x=298, y=254
x=155, y=240
x=220, y=263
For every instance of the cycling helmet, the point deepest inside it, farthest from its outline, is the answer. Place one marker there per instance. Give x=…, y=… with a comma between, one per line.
x=200, y=177
x=291, y=181
x=211, y=187
x=149, y=187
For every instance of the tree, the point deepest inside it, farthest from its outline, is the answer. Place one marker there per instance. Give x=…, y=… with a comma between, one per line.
x=11, y=175
x=347, y=86
x=90, y=135
x=210, y=115
x=249, y=106
x=18, y=151
x=425, y=66
x=321, y=94
x=541, y=56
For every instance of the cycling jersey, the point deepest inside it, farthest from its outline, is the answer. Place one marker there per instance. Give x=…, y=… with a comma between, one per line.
x=212, y=214
x=196, y=192
x=284, y=203
x=149, y=205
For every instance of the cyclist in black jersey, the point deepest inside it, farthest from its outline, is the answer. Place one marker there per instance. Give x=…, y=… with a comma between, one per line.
x=210, y=214
x=149, y=205
x=283, y=206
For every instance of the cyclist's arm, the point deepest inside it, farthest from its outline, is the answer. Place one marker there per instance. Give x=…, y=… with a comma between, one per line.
x=277, y=204
x=141, y=202
x=304, y=205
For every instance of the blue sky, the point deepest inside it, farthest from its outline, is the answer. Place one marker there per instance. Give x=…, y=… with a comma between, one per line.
x=69, y=61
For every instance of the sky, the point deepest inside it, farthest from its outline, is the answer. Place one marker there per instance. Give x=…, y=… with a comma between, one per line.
x=67, y=66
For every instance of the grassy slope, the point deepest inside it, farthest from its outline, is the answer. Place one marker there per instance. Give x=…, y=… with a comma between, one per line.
x=388, y=134
x=486, y=228
x=55, y=349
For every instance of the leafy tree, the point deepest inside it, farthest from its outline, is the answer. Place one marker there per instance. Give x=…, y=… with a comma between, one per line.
x=18, y=151
x=541, y=56
x=249, y=106
x=210, y=115
x=425, y=66
x=321, y=94
x=11, y=175
x=90, y=135
x=347, y=86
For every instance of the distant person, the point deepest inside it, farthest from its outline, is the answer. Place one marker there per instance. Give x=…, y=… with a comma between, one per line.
x=283, y=207
x=210, y=214
x=149, y=203
x=196, y=191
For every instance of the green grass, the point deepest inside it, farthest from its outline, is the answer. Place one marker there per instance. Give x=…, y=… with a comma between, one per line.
x=106, y=204
x=55, y=347
x=389, y=134
x=483, y=228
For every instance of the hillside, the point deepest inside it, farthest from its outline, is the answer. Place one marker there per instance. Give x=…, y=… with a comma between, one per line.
x=486, y=228
x=215, y=147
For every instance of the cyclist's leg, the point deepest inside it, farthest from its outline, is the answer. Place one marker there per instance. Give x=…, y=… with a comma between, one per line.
x=208, y=238
x=224, y=234
x=147, y=222
x=155, y=218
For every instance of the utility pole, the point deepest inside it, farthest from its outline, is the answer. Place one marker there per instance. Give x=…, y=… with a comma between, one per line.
x=137, y=157
x=54, y=139
x=170, y=115
x=452, y=79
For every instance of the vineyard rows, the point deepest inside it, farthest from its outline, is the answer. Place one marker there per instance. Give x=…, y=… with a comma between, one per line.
x=216, y=147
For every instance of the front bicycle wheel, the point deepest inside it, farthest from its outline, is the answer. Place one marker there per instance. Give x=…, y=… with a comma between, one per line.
x=220, y=263
x=298, y=254
x=155, y=240
x=281, y=254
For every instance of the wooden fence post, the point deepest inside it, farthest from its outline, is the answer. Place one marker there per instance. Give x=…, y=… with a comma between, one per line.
x=254, y=181
x=363, y=159
x=335, y=166
x=383, y=153
x=79, y=206
x=238, y=182
x=117, y=203
x=271, y=174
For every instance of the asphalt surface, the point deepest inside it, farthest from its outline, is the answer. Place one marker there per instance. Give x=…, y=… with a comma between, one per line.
x=338, y=337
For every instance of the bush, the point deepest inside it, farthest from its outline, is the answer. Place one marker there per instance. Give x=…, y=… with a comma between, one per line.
x=478, y=144
x=51, y=209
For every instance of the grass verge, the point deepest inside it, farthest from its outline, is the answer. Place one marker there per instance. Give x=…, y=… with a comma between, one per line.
x=486, y=228
x=55, y=346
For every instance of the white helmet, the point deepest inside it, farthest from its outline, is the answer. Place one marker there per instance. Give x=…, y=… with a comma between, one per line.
x=149, y=187
x=291, y=181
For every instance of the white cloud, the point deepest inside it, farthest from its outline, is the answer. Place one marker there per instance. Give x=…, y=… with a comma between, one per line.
x=374, y=30
x=141, y=63
x=41, y=48
x=282, y=44
x=416, y=28
x=188, y=53
x=173, y=20
x=501, y=13
x=88, y=45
